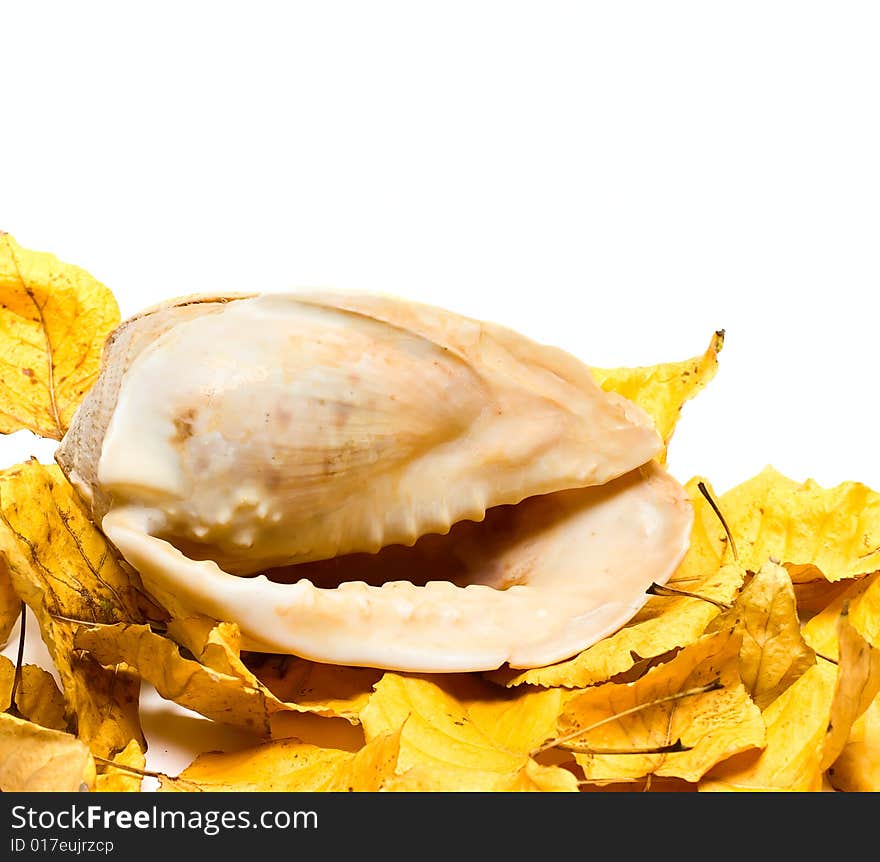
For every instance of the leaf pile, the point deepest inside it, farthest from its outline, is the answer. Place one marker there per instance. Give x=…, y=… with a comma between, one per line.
x=756, y=667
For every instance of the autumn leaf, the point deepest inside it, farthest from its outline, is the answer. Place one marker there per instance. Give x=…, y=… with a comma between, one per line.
x=861, y=601
x=662, y=390
x=54, y=319
x=531, y=778
x=37, y=696
x=773, y=653
x=665, y=622
x=449, y=743
x=326, y=689
x=64, y=569
x=808, y=724
x=796, y=722
x=858, y=681
x=39, y=759
x=219, y=696
x=813, y=592
x=10, y=604
x=833, y=530
x=330, y=689
x=125, y=773
x=516, y=720
x=7, y=683
x=857, y=767
x=646, y=715
x=288, y=765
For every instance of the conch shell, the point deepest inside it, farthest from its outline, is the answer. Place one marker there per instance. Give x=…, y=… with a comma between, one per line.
x=369, y=481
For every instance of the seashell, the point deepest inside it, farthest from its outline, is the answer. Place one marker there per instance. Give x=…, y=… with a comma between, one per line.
x=369, y=481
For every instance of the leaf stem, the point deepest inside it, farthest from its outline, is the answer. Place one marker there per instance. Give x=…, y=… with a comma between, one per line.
x=16, y=681
x=568, y=737
x=705, y=492
x=661, y=590
x=146, y=773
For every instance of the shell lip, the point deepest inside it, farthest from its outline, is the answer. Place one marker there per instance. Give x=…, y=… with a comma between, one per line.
x=440, y=626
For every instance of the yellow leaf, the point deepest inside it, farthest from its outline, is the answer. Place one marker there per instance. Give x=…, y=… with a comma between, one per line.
x=858, y=681
x=773, y=653
x=64, y=569
x=808, y=724
x=118, y=779
x=7, y=681
x=796, y=723
x=326, y=689
x=857, y=768
x=650, y=714
x=814, y=594
x=10, y=603
x=536, y=778
x=448, y=740
x=373, y=764
x=836, y=530
x=218, y=696
x=516, y=720
x=662, y=390
x=38, y=759
x=861, y=600
x=287, y=765
x=665, y=622
x=864, y=610
x=531, y=778
x=54, y=319
x=37, y=697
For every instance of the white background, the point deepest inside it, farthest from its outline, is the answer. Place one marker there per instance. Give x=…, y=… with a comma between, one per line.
x=619, y=179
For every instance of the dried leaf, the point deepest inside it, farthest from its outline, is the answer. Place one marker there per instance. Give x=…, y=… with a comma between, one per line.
x=7, y=682
x=662, y=390
x=858, y=681
x=773, y=653
x=54, y=319
x=38, y=759
x=37, y=697
x=796, y=723
x=713, y=724
x=327, y=689
x=63, y=568
x=861, y=601
x=127, y=775
x=808, y=724
x=864, y=610
x=448, y=741
x=665, y=622
x=531, y=778
x=218, y=696
x=836, y=530
x=815, y=594
x=287, y=765
x=10, y=603
x=516, y=720
x=857, y=768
